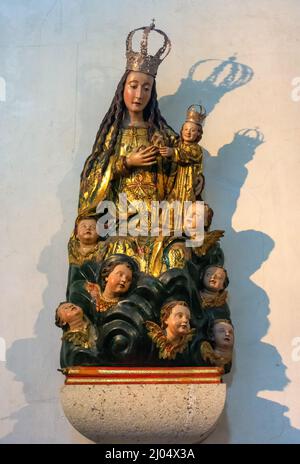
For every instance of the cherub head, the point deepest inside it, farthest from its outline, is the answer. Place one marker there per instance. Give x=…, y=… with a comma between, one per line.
x=85, y=231
x=117, y=275
x=175, y=319
x=214, y=278
x=191, y=132
x=194, y=220
x=68, y=315
x=221, y=334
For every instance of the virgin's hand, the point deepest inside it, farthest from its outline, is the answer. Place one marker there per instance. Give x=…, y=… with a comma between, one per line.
x=145, y=157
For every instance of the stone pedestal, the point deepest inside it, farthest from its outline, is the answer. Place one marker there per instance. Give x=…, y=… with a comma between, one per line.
x=115, y=406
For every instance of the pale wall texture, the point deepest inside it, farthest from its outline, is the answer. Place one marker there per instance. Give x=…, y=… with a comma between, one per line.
x=60, y=62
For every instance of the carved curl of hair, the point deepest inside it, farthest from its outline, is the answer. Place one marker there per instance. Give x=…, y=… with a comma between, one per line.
x=210, y=215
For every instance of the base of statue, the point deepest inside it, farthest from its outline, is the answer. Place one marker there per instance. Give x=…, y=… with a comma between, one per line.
x=143, y=405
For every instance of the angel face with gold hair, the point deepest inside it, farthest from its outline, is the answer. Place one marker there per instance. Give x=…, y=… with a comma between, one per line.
x=218, y=350
x=174, y=333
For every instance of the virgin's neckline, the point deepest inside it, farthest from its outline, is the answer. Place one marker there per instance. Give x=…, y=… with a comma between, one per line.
x=130, y=126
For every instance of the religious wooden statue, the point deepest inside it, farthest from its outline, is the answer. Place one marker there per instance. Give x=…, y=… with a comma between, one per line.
x=146, y=284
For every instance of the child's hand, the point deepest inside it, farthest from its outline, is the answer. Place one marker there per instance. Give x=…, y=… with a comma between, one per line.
x=158, y=140
x=166, y=152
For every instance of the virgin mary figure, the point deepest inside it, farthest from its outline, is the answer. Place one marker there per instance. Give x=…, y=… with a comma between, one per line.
x=124, y=158
x=132, y=154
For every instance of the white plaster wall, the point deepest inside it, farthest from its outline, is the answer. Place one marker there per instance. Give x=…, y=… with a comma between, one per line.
x=60, y=61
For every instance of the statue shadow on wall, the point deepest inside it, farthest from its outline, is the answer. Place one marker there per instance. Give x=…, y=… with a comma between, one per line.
x=42, y=420
x=225, y=176
x=224, y=76
x=257, y=365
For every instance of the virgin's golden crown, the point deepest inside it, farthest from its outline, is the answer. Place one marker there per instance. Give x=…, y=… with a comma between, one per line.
x=197, y=117
x=141, y=61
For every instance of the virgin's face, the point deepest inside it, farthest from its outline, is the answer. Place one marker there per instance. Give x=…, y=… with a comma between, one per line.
x=119, y=280
x=137, y=91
